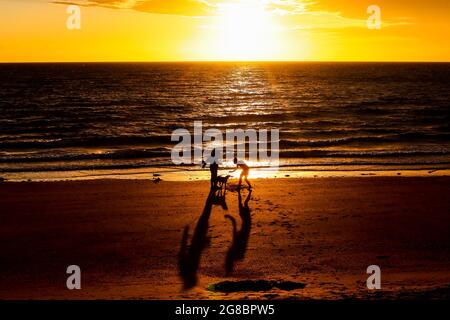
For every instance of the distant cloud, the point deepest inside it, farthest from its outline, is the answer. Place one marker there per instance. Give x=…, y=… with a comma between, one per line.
x=287, y=7
x=296, y=14
x=174, y=7
x=190, y=7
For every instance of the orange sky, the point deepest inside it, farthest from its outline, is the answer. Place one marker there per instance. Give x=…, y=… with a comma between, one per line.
x=180, y=30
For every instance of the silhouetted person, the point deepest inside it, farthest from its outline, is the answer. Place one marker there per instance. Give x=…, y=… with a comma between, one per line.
x=237, y=250
x=245, y=171
x=213, y=168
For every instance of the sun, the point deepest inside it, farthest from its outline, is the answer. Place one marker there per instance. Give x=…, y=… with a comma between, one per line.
x=246, y=31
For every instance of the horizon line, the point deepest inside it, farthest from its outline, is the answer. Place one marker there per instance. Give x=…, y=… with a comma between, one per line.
x=229, y=61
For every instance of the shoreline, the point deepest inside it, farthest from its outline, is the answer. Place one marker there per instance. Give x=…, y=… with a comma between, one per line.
x=170, y=174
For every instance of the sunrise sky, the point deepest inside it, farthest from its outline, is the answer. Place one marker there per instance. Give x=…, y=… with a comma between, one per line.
x=185, y=30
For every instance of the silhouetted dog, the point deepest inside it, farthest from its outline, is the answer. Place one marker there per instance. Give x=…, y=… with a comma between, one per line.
x=222, y=182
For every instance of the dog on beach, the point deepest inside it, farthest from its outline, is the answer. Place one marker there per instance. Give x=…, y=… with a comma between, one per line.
x=222, y=181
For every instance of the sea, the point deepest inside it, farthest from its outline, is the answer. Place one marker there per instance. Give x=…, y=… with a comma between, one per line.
x=97, y=120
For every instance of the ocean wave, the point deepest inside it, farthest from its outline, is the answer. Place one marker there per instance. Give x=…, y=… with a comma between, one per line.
x=360, y=154
x=333, y=165
x=368, y=140
x=86, y=142
x=60, y=155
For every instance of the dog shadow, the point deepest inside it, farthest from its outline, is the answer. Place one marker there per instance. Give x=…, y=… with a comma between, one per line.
x=220, y=193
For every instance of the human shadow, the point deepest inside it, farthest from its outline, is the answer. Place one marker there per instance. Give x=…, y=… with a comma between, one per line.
x=189, y=258
x=239, y=244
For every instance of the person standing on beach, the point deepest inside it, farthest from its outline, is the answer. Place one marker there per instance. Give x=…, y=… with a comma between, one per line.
x=213, y=168
x=245, y=172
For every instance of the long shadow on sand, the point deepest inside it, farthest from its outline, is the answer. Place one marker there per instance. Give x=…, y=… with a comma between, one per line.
x=189, y=258
x=237, y=250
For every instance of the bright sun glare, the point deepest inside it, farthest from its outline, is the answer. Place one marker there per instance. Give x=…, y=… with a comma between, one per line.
x=246, y=31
